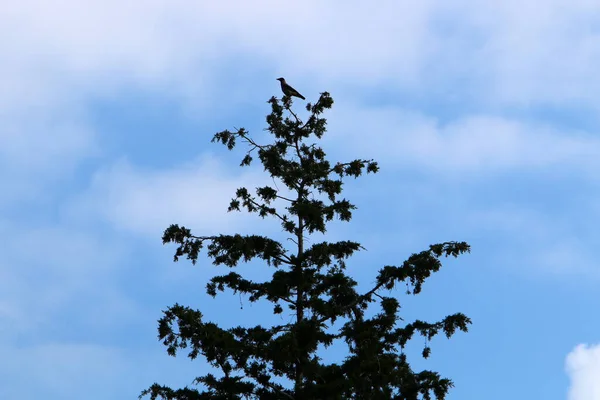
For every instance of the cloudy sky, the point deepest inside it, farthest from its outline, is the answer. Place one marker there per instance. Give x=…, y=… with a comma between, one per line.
x=483, y=116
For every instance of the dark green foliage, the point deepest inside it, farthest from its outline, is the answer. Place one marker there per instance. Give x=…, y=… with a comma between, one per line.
x=308, y=280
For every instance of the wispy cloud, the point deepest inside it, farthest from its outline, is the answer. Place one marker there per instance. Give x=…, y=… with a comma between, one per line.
x=472, y=145
x=146, y=202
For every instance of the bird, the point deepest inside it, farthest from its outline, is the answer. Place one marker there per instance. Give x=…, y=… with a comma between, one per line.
x=288, y=90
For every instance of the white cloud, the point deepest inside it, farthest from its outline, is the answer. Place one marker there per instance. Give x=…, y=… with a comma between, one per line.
x=61, y=56
x=537, y=54
x=148, y=201
x=512, y=51
x=470, y=145
x=155, y=38
x=583, y=368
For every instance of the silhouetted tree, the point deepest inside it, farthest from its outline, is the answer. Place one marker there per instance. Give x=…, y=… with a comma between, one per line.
x=308, y=279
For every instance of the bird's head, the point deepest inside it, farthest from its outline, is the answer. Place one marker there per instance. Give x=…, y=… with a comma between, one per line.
x=280, y=79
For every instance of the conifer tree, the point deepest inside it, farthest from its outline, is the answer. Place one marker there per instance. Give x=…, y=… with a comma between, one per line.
x=309, y=279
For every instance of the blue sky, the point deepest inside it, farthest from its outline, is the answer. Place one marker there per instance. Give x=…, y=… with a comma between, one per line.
x=483, y=116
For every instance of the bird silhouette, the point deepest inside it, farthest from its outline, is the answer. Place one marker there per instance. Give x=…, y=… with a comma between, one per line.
x=288, y=90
